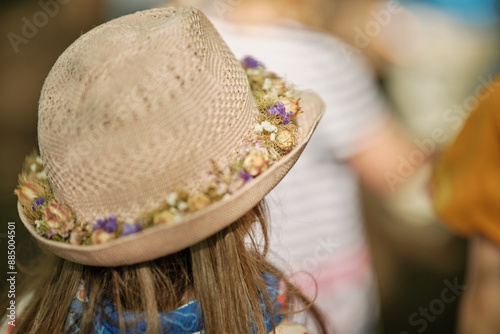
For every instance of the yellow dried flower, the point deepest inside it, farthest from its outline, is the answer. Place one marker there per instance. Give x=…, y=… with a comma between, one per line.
x=285, y=139
x=255, y=162
x=163, y=217
x=183, y=193
x=198, y=201
x=100, y=237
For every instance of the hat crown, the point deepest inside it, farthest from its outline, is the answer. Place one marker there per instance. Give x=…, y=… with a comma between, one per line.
x=138, y=106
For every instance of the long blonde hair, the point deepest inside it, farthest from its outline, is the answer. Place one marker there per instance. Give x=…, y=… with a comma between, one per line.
x=224, y=272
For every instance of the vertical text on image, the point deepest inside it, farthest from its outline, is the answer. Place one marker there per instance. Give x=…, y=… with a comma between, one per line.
x=11, y=272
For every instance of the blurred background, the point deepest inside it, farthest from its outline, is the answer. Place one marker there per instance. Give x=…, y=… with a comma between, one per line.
x=431, y=58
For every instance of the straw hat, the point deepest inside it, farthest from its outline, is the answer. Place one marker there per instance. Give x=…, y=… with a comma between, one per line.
x=151, y=140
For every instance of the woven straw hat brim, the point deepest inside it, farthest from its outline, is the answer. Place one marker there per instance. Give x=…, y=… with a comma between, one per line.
x=162, y=240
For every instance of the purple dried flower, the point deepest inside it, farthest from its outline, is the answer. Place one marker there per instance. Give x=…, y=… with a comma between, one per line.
x=39, y=201
x=108, y=224
x=245, y=176
x=130, y=229
x=98, y=224
x=251, y=62
x=279, y=109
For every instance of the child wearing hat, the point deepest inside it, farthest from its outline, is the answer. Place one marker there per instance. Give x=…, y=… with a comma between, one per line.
x=156, y=149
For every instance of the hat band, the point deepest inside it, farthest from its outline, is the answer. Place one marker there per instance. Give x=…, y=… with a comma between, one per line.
x=274, y=136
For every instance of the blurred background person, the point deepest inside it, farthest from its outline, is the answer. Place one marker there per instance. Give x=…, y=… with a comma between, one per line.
x=439, y=57
x=358, y=137
x=466, y=197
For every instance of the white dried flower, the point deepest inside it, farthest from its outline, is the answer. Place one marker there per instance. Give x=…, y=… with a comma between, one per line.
x=172, y=199
x=269, y=127
x=33, y=167
x=273, y=137
x=183, y=206
x=39, y=161
x=265, y=125
x=130, y=220
x=258, y=129
x=290, y=90
x=268, y=84
x=221, y=189
x=272, y=95
x=42, y=175
x=253, y=71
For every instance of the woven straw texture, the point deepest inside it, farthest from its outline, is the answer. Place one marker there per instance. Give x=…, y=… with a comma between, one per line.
x=167, y=239
x=141, y=105
x=138, y=106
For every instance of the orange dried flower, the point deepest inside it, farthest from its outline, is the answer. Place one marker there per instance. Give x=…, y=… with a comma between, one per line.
x=57, y=215
x=28, y=192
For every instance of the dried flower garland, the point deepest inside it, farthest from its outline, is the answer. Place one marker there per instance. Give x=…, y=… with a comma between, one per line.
x=274, y=136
